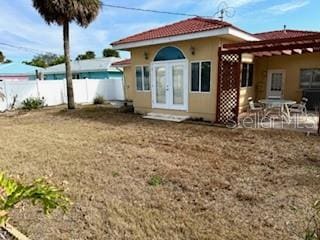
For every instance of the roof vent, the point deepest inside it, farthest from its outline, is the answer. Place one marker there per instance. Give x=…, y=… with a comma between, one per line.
x=285, y=28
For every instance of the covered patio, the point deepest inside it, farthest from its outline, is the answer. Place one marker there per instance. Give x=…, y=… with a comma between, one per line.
x=264, y=70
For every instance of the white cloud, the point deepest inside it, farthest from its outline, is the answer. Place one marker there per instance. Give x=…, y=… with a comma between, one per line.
x=206, y=7
x=288, y=6
x=29, y=30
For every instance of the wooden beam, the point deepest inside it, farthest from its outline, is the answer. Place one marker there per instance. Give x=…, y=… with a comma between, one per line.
x=297, y=51
x=267, y=54
x=276, y=53
x=263, y=54
x=263, y=48
x=287, y=52
x=298, y=40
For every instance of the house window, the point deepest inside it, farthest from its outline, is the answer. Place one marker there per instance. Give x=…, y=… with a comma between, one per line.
x=200, y=76
x=143, y=78
x=76, y=76
x=310, y=78
x=247, y=75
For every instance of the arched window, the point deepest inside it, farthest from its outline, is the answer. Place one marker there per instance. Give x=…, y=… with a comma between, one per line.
x=169, y=53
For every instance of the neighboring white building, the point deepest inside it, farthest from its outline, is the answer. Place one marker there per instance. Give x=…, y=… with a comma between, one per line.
x=98, y=68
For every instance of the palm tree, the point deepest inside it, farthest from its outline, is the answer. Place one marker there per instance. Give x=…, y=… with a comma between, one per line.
x=63, y=12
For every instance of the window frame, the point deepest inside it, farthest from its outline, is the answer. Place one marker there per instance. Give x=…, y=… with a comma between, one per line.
x=200, y=76
x=167, y=60
x=312, y=78
x=248, y=72
x=142, y=77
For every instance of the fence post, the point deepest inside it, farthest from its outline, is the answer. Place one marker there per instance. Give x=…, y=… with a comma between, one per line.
x=38, y=89
x=87, y=90
x=64, y=83
x=6, y=93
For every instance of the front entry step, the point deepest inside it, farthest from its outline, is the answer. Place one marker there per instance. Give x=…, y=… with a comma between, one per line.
x=166, y=117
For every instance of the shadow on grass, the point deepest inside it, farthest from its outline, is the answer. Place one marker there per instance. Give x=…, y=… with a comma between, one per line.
x=103, y=114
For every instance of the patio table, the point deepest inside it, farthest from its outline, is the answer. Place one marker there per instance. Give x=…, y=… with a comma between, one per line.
x=281, y=103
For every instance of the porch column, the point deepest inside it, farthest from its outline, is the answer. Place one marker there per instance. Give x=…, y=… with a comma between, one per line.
x=229, y=70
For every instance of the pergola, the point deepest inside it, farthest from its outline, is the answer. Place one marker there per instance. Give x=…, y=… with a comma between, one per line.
x=229, y=69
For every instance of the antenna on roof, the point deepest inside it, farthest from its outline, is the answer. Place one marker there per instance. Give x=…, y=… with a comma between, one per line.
x=285, y=28
x=224, y=10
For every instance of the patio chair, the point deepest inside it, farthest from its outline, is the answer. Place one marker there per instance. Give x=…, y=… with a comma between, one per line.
x=254, y=107
x=300, y=108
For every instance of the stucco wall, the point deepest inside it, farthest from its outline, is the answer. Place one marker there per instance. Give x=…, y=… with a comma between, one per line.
x=291, y=65
x=129, y=83
x=200, y=104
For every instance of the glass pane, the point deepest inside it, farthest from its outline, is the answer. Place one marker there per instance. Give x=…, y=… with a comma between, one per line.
x=244, y=75
x=177, y=81
x=169, y=53
x=316, y=79
x=139, y=78
x=161, y=85
x=205, y=76
x=250, y=77
x=195, y=77
x=146, y=79
x=276, y=82
x=305, y=78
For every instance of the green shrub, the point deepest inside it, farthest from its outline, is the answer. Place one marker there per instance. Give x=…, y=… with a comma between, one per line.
x=155, y=181
x=98, y=100
x=33, y=103
x=115, y=174
x=39, y=192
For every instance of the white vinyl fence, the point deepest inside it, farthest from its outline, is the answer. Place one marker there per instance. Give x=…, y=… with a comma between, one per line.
x=54, y=92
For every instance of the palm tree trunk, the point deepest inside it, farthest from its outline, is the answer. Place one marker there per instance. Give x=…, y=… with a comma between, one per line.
x=66, y=43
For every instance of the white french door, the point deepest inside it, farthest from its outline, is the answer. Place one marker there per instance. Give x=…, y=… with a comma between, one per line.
x=275, y=83
x=170, y=85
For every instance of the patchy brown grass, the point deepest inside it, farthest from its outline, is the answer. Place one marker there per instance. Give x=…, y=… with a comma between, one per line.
x=214, y=183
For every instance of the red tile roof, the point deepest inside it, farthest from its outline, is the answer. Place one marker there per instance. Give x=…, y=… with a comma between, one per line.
x=192, y=25
x=281, y=34
x=199, y=24
x=122, y=63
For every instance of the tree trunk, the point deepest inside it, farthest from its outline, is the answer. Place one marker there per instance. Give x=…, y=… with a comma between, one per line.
x=66, y=44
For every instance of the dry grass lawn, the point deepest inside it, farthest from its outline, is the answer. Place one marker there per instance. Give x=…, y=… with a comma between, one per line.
x=214, y=183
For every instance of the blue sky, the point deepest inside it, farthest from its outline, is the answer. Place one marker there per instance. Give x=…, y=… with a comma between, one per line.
x=21, y=25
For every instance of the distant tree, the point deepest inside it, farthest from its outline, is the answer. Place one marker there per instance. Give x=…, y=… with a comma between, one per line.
x=109, y=52
x=7, y=61
x=46, y=60
x=87, y=55
x=2, y=57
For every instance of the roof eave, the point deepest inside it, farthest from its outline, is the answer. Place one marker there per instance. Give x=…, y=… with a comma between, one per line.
x=204, y=34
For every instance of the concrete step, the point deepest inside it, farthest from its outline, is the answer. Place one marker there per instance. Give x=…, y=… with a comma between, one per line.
x=166, y=117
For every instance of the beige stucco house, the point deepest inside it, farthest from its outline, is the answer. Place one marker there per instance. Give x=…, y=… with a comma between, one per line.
x=204, y=68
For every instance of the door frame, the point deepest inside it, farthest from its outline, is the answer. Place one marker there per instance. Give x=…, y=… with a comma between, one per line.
x=169, y=93
x=270, y=71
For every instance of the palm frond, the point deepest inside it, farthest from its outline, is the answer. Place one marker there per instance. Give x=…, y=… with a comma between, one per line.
x=83, y=12
x=39, y=193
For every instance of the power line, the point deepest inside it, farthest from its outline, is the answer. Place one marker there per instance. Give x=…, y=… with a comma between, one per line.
x=31, y=50
x=222, y=9
x=153, y=11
